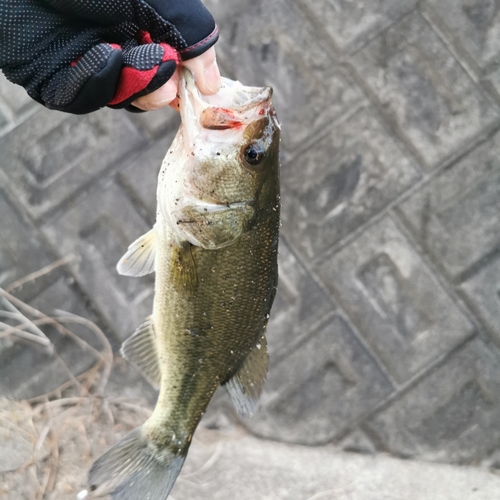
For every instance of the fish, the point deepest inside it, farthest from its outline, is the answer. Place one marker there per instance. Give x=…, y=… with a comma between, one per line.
x=214, y=251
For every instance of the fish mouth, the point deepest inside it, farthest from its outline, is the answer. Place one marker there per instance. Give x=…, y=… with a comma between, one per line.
x=232, y=107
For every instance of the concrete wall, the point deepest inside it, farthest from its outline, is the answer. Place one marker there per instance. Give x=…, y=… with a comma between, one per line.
x=386, y=331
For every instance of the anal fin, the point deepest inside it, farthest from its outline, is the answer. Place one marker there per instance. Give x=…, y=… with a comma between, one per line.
x=139, y=259
x=140, y=349
x=246, y=386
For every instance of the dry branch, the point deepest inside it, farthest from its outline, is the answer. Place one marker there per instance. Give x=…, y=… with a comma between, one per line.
x=67, y=413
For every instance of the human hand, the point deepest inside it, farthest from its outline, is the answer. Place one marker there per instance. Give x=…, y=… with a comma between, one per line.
x=206, y=74
x=82, y=55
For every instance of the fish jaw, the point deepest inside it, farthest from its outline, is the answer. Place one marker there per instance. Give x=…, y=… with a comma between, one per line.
x=229, y=110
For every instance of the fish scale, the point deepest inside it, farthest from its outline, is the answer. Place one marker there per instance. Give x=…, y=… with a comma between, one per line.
x=214, y=249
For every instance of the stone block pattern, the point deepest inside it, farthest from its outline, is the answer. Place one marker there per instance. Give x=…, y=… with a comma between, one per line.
x=15, y=105
x=458, y=209
x=424, y=90
x=473, y=28
x=483, y=291
x=329, y=382
x=453, y=413
x=347, y=176
x=350, y=24
x=399, y=307
x=52, y=156
x=385, y=331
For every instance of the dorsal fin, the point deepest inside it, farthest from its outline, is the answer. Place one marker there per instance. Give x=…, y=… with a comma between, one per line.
x=246, y=386
x=139, y=259
x=140, y=349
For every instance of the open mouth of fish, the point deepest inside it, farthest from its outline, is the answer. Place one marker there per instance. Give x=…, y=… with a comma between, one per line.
x=229, y=109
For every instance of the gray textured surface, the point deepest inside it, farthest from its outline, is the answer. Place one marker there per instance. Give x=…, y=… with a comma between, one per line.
x=222, y=466
x=385, y=335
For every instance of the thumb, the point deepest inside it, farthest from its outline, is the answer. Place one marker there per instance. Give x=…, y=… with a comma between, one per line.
x=206, y=72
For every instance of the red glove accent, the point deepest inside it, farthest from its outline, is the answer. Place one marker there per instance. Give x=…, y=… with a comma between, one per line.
x=133, y=81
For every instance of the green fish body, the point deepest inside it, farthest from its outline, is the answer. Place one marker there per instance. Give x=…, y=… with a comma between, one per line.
x=214, y=249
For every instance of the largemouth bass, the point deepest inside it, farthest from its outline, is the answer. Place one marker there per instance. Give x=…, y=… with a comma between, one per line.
x=214, y=249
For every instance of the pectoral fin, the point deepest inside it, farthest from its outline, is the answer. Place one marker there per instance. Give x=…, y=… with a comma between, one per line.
x=246, y=386
x=140, y=349
x=183, y=271
x=140, y=257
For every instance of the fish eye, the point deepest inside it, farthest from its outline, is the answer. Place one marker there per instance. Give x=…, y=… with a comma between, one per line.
x=253, y=154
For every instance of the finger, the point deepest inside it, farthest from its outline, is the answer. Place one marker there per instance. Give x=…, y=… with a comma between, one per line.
x=160, y=97
x=206, y=72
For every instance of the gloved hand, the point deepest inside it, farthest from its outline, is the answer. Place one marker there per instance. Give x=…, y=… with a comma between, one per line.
x=80, y=55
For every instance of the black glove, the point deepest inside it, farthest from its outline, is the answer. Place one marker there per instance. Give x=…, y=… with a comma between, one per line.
x=80, y=55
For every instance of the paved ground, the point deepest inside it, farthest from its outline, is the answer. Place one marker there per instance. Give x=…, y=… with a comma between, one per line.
x=221, y=467
x=222, y=464
x=385, y=335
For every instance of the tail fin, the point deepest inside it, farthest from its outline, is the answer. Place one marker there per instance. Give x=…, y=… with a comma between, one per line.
x=136, y=468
